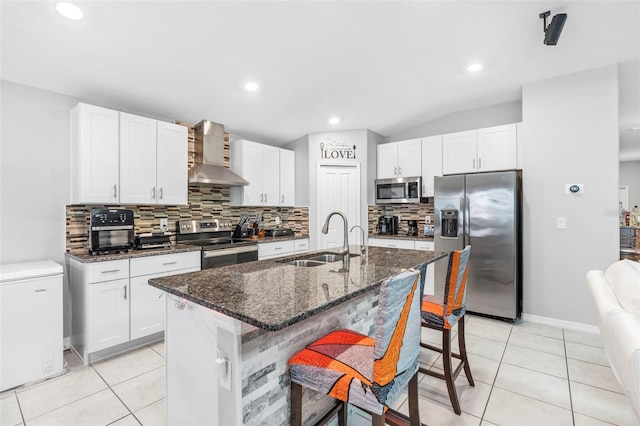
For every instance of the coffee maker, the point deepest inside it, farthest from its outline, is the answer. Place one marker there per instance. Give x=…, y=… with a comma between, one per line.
x=388, y=225
x=412, y=227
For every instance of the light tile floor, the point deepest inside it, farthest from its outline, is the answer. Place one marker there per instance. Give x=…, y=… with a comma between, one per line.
x=525, y=374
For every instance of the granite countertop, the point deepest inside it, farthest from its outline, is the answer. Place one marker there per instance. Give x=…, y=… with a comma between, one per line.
x=419, y=237
x=272, y=295
x=90, y=258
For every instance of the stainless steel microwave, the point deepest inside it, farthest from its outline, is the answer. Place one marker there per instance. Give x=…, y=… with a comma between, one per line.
x=398, y=190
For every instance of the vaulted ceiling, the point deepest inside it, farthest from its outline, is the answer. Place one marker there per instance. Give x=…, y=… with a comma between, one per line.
x=385, y=66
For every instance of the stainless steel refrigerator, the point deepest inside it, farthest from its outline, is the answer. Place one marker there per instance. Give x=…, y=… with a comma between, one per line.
x=483, y=210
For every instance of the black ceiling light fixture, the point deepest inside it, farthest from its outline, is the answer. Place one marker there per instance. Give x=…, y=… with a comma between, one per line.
x=552, y=32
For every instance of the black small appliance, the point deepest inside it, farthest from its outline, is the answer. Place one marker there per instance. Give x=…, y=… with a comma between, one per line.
x=110, y=230
x=412, y=227
x=388, y=225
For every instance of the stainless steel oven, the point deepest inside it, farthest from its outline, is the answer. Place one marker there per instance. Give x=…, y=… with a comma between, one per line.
x=398, y=190
x=110, y=230
x=214, y=236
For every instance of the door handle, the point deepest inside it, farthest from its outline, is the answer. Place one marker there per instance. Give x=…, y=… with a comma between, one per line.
x=399, y=171
x=265, y=197
x=479, y=163
x=261, y=197
x=125, y=292
x=161, y=193
x=283, y=198
x=395, y=171
x=474, y=164
x=115, y=190
x=153, y=193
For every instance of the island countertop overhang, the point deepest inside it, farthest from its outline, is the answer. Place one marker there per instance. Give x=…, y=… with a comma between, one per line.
x=273, y=295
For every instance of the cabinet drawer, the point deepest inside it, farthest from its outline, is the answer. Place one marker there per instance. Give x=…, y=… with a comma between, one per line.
x=425, y=245
x=282, y=248
x=389, y=243
x=301, y=245
x=107, y=271
x=164, y=263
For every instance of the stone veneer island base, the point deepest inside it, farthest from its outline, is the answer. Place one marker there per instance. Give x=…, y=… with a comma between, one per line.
x=230, y=331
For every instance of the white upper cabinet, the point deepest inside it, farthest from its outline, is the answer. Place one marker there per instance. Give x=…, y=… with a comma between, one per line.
x=94, y=155
x=287, y=178
x=459, y=152
x=172, y=163
x=498, y=148
x=399, y=159
x=153, y=161
x=431, y=163
x=127, y=159
x=260, y=165
x=489, y=149
x=137, y=159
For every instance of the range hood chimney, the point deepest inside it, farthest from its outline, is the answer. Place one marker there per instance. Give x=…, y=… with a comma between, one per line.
x=209, y=161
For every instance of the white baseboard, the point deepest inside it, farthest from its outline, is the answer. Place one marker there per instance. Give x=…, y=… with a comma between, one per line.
x=569, y=325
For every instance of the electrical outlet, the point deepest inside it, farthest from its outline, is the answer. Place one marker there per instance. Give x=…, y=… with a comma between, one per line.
x=277, y=220
x=47, y=363
x=164, y=225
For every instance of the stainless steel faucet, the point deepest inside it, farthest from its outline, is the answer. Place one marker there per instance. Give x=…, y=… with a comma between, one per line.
x=363, y=248
x=345, y=245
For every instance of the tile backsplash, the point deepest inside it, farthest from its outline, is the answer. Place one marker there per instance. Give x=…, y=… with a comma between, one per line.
x=404, y=212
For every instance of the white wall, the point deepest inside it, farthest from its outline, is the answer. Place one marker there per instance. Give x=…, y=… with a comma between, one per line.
x=300, y=147
x=465, y=120
x=34, y=176
x=630, y=176
x=570, y=136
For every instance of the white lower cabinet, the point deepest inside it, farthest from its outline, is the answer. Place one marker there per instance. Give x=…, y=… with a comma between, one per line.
x=282, y=248
x=113, y=308
x=301, y=246
x=108, y=314
x=389, y=243
x=429, y=284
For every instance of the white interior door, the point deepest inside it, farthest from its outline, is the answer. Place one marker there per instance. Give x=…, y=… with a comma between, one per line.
x=338, y=190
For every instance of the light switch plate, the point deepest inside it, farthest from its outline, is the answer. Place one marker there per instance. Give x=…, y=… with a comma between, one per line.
x=561, y=223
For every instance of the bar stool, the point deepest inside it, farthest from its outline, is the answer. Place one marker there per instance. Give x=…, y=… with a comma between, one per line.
x=363, y=371
x=442, y=315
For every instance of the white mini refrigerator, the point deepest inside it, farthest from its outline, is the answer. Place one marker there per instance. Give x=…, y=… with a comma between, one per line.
x=31, y=336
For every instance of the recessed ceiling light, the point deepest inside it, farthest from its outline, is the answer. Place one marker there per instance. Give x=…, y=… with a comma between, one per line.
x=251, y=86
x=334, y=120
x=474, y=67
x=69, y=11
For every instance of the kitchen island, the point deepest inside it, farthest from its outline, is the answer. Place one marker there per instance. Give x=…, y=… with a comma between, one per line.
x=231, y=330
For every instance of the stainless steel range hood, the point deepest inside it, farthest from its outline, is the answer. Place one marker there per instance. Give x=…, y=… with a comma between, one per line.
x=209, y=161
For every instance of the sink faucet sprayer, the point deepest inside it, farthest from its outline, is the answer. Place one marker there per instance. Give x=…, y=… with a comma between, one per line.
x=363, y=249
x=345, y=245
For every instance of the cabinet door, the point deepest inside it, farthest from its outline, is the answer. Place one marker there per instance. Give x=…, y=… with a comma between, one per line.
x=387, y=161
x=137, y=159
x=253, y=193
x=172, y=163
x=108, y=314
x=459, y=152
x=270, y=162
x=95, y=155
x=431, y=163
x=287, y=178
x=409, y=158
x=497, y=148
x=147, y=306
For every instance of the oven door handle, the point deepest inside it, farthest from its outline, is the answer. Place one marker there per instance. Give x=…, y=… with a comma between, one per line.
x=111, y=228
x=233, y=250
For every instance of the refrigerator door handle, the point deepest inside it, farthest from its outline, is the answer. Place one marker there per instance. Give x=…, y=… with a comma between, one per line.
x=467, y=221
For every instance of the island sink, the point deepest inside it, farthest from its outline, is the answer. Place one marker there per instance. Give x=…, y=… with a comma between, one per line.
x=315, y=259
